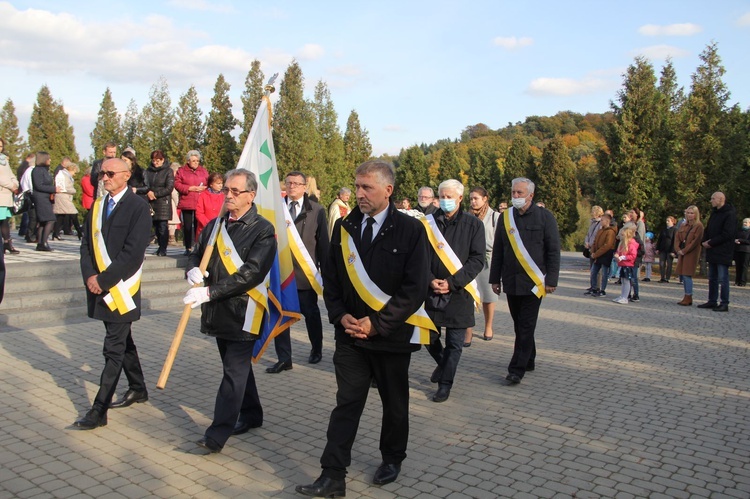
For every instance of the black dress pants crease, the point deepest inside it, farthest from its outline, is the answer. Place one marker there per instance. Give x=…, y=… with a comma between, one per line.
x=238, y=398
x=447, y=358
x=308, y=304
x=524, y=309
x=355, y=367
x=120, y=355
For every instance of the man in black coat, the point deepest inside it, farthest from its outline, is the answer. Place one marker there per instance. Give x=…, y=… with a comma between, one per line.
x=310, y=222
x=450, y=305
x=425, y=199
x=535, y=229
x=110, y=151
x=118, y=229
x=385, y=249
x=718, y=239
x=665, y=249
x=228, y=310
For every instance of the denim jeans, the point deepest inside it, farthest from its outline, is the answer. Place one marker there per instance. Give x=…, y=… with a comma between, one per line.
x=595, y=268
x=687, y=283
x=718, y=274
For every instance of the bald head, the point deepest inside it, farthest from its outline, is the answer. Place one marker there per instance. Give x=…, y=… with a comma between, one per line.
x=718, y=199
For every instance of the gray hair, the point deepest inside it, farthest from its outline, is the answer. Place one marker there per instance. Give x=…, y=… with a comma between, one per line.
x=192, y=153
x=251, y=184
x=383, y=168
x=745, y=220
x=523, y=180
x=344, y=190
x=452, y=183
x=425, y=188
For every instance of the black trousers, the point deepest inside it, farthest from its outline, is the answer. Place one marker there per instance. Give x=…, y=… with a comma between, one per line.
x=741, y=262
x=665, y=265
x=120, y=355
x=161, y=229
x=188, y=227
x=238, y=398
x=308, y=305
x=355, y=367
x=524, y=309
x=447, y=358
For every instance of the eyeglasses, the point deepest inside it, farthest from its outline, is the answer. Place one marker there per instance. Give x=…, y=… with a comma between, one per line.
x=294, y=184
x=235, y=192
x=109, y=174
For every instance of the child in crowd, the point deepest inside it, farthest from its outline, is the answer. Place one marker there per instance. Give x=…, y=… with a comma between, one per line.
x=625, y=256
x=650, y=255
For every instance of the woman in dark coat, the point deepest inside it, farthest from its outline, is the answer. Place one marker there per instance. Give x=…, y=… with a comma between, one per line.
x=160, y=182
x=742, y=253
x=44, y=190
x=137, y=180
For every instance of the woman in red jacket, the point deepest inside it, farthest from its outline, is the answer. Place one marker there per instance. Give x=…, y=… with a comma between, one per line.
x=210, y=202
x=87, y=190
x=190, y=180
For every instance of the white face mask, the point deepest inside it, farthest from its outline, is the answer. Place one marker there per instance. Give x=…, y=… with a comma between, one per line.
x=518, y=203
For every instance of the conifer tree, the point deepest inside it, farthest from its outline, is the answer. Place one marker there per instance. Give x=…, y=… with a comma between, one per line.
x=251, y=98
x=450, y=164
x=329, y=167
x=155, y=121
x=14, y=145
x=357, y=147
x=130, y=126
x=518, y=163
x=557, y=187
x=188, y=128
x=49, y=128
x=107, y=127
x=294, y=125
x=483, y=168
x=666, y=143
x=220, y=151
x=411, y=173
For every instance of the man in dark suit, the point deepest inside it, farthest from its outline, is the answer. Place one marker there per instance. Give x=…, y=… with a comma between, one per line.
x=118, y=229
x=387, y=250
x=110, y=151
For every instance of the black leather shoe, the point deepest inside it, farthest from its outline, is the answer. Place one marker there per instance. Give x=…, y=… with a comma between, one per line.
x=131, y=397
x=436, y=374
x=442, y=394
x=209, y=444
x=93, y=419
x=530, y=367
x=708, y=304
x=315, y=357
x=280, y=366
x=721, y=308
x=511, y=379
x=323, y=487
x=386, y=473
x=244, y=426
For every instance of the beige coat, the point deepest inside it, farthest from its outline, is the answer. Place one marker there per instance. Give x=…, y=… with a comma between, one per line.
x=64, y=200
x=8, y=182
x=692, y=251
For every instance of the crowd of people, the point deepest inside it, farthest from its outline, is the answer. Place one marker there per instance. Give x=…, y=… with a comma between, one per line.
x=622, y=254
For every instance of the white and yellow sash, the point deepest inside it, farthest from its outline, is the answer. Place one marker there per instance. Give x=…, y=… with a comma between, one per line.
x=258, y=302
x=301, y=255
x=375, y=297
x=528, y=264
x=119, y=297
x=447, y=255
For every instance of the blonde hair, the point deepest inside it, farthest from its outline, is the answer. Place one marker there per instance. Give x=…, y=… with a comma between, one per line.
x=627, y=236
x=697, y=212
x=597, y=211
x=312, y=187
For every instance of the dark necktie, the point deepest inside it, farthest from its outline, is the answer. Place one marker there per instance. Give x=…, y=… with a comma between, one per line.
x=293, y=209
x=367, y=235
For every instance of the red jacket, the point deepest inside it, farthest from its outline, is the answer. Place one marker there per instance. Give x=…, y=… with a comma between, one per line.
x=87, y=192
x=186, y=177
x=630, y=255
x=209, y=206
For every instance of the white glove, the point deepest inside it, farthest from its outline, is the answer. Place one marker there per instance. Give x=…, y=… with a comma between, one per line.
x=623, y=257
x=194, y=276
x=195, y=297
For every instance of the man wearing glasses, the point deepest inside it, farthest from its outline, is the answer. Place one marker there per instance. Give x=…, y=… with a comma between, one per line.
x=244, y=253
x=425, y=198
x=118, y=229
x=311, y=241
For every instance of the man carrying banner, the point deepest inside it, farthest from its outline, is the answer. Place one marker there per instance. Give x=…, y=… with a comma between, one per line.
x=526, y=259
x=457, y=257
x=234, y=304
x=118, y=229
x=375, y=279
x=309, y=243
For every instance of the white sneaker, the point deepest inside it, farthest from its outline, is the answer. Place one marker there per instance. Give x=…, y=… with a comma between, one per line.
x=622, y=301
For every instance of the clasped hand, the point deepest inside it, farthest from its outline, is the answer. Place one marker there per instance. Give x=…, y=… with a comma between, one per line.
x=360, y=329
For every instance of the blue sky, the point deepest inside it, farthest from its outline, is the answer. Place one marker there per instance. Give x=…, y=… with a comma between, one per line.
x=415, y=71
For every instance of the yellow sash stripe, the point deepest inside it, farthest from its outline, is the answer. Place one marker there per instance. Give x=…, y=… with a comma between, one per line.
x=447, y=255
x=259, y=295
x=528, y=264
x=301, y=255
x=120, y=296
x=376, y=298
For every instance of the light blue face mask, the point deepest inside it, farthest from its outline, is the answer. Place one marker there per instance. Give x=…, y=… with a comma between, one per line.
x=447, y=205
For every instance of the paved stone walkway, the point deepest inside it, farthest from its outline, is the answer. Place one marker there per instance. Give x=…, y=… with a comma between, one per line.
x=642, y=400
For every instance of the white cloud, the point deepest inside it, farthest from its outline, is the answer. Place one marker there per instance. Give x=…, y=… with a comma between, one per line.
x=660, y=52
x=684, y=29
x=744, y=20
x=569, y=86
x=512, y=43
x=310, y=52
x=201, y=5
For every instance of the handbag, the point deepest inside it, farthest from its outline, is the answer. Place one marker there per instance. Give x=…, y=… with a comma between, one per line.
x=21, y=203
x=587, y=252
